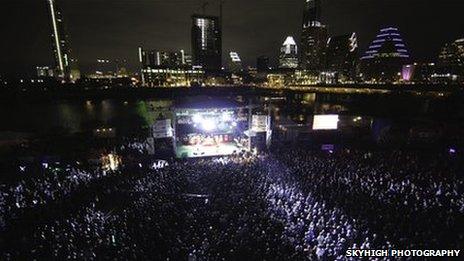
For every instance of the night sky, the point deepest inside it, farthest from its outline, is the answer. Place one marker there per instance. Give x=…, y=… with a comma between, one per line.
x=112, y=29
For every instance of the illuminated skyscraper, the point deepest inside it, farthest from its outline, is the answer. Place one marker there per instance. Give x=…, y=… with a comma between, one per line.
x=342, y=55
x=235, y=63
x=44, y=71
x=451, y=60
x=387, y=44
x=387, y=54
x=60, y=43
x=452, y=54
x=313, y=37
x=163, y=59
x=207, y=42
x=288, y=58
x=312, y=13
x=168, y=69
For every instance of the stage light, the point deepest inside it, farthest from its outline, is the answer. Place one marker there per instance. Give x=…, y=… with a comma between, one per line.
x=110, y=162
x=221, y=125
x=208, y=124
x=197, y=118
x=226, y=116
x=113, y=162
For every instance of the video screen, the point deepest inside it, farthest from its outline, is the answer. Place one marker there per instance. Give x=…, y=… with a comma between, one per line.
x=325, y=122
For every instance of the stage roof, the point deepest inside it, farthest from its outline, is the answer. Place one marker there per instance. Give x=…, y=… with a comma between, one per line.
x=206, y=102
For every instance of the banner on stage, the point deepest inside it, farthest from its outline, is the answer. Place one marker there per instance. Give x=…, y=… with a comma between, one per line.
x=162, y=129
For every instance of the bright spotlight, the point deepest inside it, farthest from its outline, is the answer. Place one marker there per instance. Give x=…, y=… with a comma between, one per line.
x=208, y=124
x=226, y=116
x=197, y=118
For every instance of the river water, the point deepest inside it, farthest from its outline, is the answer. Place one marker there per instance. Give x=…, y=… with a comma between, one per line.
x=75, y=116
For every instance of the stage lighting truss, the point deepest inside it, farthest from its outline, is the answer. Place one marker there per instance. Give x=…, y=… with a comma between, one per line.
x=212, y=122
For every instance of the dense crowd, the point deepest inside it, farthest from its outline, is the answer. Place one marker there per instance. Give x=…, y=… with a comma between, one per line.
x=291, y=204
x=410, y=200
x=51, y=184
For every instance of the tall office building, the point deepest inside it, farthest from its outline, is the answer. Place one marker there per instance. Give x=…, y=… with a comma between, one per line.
x=167, y=69
x=207, y=42
x=60, y=43
x=235, y=63
x=452, y=54
x=451, y=61
x=288, y=58
x=385, y=57
x=342, y=55
x=313, y=37
x=164, y=59
x=45, y=71
x=262, y=64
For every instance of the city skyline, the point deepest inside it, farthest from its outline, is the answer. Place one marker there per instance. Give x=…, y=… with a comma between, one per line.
x=248, y=35
x=59, y=44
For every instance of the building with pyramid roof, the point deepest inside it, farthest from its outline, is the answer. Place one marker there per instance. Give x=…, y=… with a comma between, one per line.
x=385, y=57
x=288, y=58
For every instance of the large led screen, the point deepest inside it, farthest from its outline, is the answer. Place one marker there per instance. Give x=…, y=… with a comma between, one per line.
x=325, y=122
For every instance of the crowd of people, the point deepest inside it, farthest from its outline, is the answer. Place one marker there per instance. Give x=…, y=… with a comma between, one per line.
x=288, y=204
x=50, y=184
x=135, y=146
x=412, y=198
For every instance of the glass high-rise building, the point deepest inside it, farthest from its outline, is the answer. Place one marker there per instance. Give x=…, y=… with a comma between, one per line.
x=387, y=44
x=288, y=58
x=235, y=63
x=45, y=71
x=452, y=54
x=451, y=60
x=342, y=56
x=167, y=69
x=384, y=59
x=313, y=37
x=312, y=13
x=163, y=59
x=60, y=44
x=207, y=42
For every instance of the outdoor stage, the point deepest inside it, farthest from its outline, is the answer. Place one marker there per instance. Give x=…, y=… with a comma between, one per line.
x=194, y=151
x=205, y=127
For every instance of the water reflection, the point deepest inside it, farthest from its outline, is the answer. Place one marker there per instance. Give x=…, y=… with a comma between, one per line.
x=69, y=118
x=107, y=111
x=126, y=116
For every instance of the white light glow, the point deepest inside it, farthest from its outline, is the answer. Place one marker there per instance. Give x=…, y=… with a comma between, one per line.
x=226, y=117
x=56, y=36
x=325, y=122
x=197, y=118
x=208, y=125
x=140, y=54
x=235, y=57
